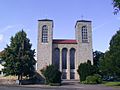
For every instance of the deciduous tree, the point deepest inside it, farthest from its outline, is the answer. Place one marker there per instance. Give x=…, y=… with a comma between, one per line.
x=110, y=65
x=116, y=5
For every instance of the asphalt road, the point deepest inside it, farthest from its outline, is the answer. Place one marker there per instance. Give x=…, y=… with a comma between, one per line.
x=65, y=86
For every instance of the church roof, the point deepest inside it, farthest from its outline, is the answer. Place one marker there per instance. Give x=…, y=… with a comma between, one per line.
x=83, y=21
x=45, y=20
x=64, y=41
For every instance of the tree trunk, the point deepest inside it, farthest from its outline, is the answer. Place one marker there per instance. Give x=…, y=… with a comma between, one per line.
x=19, y=79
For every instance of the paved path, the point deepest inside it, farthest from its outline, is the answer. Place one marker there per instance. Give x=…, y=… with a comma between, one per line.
x=66, y=85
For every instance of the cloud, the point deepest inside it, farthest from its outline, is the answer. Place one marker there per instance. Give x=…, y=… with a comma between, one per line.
x=15, y=27
x=100, y=26
x=1, y=38
x=7, y=28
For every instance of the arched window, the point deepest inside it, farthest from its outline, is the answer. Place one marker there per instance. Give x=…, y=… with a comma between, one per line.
x=84, y=34
x=72, y=58
x=64, y=58
x=45, y=34
x=56, y=57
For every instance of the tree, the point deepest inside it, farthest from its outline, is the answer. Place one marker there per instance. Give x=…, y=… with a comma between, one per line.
x=115, y=53
x=1, y=53
x=85, y=69
x=18, y=56
x=110, y=65
x=105, y=65
x=116, y=5
x=51, y=74
x=96, y=57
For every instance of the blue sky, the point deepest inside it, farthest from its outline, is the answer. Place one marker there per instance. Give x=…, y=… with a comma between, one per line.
x=23, y=14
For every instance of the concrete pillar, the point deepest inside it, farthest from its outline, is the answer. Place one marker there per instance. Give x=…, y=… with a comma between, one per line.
x=60, y=66
x=76, y=66
x=68, y=64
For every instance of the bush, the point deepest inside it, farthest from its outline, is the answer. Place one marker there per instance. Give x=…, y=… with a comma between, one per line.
x=95, y=79
x=51, y=74
x=85, y=69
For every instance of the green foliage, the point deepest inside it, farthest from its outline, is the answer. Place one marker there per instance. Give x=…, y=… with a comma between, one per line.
x=51, y=74
x=116, y=5
x=18, y=56
x=106, y=66
x=112, y=83
x=110, y=64
x=96, y=58
x=95, y=79
x=85, y=69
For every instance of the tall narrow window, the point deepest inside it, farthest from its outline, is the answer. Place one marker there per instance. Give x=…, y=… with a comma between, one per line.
x=84, y=34
x=72, y=58
x=56, y=57
x=45, y=34
x=64, y=58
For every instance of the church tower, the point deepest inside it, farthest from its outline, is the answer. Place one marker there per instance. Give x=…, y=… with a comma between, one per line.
x=83, y=33
x=44, y=47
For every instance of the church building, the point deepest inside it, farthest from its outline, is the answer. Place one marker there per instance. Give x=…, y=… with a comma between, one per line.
x=65, y=54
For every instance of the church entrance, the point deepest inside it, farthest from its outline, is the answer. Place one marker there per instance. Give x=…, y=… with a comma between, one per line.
x=67, y=62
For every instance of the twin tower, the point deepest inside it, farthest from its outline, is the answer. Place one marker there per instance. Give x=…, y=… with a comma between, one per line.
x=65, y=54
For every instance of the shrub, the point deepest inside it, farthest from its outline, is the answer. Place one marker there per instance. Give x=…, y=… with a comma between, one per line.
x=95, y=79
x=85, y=69
x=91, y=80
x=51, y=74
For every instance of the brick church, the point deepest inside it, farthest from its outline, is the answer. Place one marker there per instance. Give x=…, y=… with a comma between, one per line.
x=65, y=54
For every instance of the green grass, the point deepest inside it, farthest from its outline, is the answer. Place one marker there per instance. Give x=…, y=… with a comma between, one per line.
x=55, y=84
x=112, y=83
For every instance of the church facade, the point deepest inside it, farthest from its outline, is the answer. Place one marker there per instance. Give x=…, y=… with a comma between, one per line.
x=65, y=54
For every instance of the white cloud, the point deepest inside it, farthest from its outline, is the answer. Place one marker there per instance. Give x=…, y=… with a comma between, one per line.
x=6, y=28
x=1, y=38
x=100, y=26
x=17, y=27
x=9, y=27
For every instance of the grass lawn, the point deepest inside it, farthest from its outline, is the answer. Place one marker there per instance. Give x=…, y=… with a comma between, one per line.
x=112, y=83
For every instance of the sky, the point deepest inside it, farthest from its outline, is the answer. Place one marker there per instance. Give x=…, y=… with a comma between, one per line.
x=16, y=15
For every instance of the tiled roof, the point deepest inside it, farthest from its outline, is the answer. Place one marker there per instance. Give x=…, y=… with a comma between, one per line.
x=64, y=41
